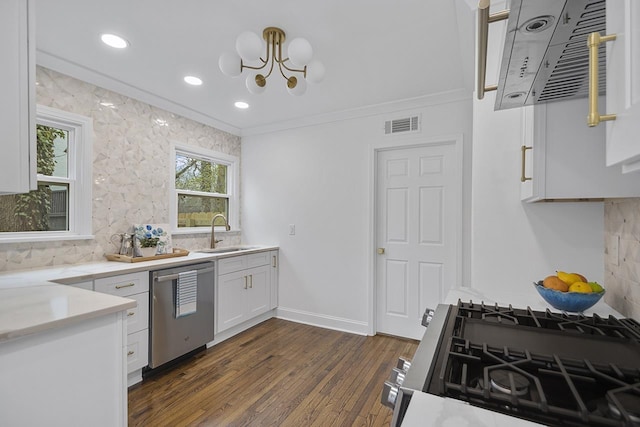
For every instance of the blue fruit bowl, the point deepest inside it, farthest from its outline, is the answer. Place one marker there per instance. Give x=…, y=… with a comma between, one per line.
x=568, y=301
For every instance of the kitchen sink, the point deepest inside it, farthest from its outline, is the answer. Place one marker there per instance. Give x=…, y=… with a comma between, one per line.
x=227, y=250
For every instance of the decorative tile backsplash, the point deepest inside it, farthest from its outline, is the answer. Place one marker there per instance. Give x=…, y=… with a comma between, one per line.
x=622, y=266
x=130, y=147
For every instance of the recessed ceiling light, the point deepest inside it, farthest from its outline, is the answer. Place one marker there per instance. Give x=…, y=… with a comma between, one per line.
x=241, y=104
x=114, y=41
x=192, y=80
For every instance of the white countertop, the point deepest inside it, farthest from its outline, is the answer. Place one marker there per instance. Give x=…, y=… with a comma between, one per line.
x=525, y=296
x=426, y=410
x=36, y=300
x=29, y=309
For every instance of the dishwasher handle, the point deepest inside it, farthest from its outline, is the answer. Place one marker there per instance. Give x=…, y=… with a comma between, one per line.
x=169, y=277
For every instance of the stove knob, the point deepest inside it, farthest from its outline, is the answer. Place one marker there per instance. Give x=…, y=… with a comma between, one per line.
x=397, y=376
x=427, y=317
x=403, y=364
x=389, y=394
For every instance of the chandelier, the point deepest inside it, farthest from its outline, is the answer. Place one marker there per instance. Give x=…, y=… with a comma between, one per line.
x=297, y=68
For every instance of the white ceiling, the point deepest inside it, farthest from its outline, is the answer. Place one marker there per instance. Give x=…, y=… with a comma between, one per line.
x=375, y=52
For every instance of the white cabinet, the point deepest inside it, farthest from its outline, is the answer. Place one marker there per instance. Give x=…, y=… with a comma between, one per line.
x=17, y=103
x=245, y=288
x=565, y=158
x=72, y=375
x=134, y=286
x=623, y=84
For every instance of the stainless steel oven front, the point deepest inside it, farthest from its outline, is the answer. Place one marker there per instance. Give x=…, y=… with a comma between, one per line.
x=408, y=377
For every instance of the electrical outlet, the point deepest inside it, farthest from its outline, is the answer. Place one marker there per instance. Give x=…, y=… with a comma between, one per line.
x=292, y=229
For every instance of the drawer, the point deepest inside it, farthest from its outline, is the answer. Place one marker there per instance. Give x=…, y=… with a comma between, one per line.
x=138, y=316
x=229, y=265
x=256, y=260
x=88, y=285
x=137, y=350
x=123, y=285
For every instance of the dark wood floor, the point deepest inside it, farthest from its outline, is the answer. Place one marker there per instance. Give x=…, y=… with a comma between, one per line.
x=278, y=373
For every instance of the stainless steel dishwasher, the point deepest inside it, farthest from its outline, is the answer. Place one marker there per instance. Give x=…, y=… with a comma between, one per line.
x=172, y=334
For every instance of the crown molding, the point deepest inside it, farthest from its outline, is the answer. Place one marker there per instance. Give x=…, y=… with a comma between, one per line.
x=361, y=112
x=79, y=72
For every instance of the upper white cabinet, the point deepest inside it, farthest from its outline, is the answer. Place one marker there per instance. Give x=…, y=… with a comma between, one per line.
x=623, y=84
x=17, y=103
x=564, y=157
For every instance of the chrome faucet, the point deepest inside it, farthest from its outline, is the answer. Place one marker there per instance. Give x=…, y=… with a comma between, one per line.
x=213, y=222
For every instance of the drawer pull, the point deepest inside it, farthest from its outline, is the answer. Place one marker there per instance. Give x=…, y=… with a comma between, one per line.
x=128, y=285
x=130, y=352
x=251, y=280
x=245, y=282
x=275, y=262
x=130, y=313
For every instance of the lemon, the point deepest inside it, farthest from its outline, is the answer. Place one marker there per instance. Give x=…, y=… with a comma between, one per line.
x=595, y=287
x=581, y=287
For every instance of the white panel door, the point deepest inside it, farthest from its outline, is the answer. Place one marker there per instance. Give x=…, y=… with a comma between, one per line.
x=417, y=209
x=623, y=84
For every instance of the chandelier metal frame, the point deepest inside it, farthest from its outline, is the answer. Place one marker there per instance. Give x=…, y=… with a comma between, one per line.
x=274, y=38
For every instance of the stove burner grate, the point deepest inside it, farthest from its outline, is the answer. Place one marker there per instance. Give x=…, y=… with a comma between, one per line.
x=552, y=368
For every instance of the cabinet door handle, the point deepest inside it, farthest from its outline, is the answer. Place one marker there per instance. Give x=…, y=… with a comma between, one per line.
x=524, y=149
x=251, y=280
x=128, y=285
x=274, y=263
x=593, y=42
x=130, y=313
x=130, y=352
x=245, y=282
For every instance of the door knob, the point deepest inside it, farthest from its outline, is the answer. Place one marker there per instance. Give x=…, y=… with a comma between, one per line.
x=380, y=251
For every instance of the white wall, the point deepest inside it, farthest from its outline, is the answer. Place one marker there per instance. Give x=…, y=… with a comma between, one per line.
x=515, y=243
x=320, y=179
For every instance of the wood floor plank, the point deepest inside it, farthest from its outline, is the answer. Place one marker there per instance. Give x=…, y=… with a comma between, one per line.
x=278, y=373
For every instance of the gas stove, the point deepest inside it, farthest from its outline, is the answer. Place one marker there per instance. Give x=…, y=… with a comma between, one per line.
x=546, y=367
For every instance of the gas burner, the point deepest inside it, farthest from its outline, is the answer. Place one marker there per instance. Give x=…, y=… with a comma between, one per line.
x=501, y=382
x=630, y=404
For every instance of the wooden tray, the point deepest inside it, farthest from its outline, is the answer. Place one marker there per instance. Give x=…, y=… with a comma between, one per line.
x=124, y=258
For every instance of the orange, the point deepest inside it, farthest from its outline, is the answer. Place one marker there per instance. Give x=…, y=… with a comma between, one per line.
x=553, y=282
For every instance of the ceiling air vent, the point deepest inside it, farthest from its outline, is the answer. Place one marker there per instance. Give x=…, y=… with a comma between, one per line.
x=407, y=124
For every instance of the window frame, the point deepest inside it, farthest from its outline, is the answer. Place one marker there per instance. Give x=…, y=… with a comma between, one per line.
x=233, y=187
x=79, y=178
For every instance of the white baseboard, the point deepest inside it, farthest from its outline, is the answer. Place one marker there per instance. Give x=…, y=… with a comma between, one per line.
x=323, y=321
x=134, y=377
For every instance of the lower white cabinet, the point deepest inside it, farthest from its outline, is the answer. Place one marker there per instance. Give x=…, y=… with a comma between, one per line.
x=245, y=288
x=134, y=286
x=72, y=375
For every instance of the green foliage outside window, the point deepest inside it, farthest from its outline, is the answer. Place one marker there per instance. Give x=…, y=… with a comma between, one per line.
x=30, y=211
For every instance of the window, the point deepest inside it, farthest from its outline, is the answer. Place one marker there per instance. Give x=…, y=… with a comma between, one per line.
x=60, y=208
x=205, y=185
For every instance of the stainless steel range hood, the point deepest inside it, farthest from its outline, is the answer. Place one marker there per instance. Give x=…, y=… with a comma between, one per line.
x=545, y=55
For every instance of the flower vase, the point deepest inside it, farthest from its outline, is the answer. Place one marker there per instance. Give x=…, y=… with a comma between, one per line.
x=147, y=252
